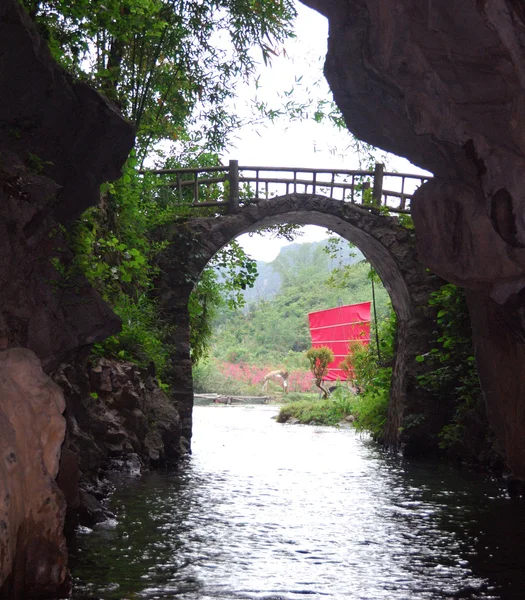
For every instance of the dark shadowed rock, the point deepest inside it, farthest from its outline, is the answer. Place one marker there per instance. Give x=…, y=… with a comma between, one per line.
x=61, y=127
x=114, y=422
x=59, y=140
x=45, y=304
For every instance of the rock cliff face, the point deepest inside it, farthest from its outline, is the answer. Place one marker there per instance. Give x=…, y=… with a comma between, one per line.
x=59, y=140
x=64, y=128
x=33, y=557
x=443, y=84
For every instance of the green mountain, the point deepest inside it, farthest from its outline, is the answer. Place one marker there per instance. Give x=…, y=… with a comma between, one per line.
x=270, y=276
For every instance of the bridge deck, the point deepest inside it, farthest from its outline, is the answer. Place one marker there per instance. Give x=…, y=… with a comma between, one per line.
x=233, y=185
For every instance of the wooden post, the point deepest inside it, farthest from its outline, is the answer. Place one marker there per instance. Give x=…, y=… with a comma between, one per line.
x=377, y=192
x=233, y=178
x=196, y=189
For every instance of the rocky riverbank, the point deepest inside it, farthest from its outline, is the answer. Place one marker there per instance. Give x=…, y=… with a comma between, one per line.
x=118, y=419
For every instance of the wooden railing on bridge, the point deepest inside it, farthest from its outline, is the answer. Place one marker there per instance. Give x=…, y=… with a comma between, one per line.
x=234, y=185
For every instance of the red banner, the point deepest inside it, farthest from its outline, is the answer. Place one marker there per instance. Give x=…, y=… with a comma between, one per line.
x=337, y=328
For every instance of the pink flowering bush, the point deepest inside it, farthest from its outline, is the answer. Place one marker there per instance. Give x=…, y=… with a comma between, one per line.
x=243, y=379
x=300, y=381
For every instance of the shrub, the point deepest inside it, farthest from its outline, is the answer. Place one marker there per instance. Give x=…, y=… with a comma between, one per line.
x=320, y=412
x=373, y=375
x=319, y=359
x=453, y=375
x=370, y=411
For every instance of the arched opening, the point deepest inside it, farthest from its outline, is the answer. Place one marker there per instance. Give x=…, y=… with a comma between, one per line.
x=389, y=247
x=257, y=345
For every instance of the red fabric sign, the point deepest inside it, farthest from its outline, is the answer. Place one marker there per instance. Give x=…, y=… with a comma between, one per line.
x=337, y=328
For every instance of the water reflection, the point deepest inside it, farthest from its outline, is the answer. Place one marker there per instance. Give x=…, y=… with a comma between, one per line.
x=269, y=511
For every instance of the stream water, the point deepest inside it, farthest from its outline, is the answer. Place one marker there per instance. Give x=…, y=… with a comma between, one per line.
x=269, y=511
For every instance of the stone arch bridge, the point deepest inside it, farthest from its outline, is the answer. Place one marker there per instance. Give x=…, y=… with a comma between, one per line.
x=353, y=204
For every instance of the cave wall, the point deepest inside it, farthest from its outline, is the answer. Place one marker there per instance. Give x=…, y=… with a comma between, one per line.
x=59, y=140
x=443, y=84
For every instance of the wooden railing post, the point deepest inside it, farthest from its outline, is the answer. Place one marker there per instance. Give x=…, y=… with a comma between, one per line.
x=233, y=178
x=377, y=192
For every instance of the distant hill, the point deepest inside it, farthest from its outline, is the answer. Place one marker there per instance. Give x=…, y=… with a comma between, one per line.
x=268, y=283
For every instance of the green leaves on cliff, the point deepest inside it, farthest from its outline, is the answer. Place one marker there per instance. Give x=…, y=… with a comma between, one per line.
x=115, y=251
x=453, y=376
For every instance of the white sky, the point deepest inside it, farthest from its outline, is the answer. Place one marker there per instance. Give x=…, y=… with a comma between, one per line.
x=305, y=143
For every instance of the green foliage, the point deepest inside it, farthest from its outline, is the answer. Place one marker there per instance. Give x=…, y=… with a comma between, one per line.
x=405, y=221
x=274, y=329
x=165, y=62
x=203, y=306
x=237, y=273
x=35, y=164
x=373, y=375
x=320, y=412
x=343, y=276
x=144, y=334
x=221, y=284
x=373, y=366
x=370, y=410
x=114, y=249
x=452, y=375
x=168, y=66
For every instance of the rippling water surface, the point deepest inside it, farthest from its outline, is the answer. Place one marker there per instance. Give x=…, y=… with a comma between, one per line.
x=269, y=511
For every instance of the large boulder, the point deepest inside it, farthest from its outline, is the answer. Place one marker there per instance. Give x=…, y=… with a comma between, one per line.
x=443, y=84
x=33, y=556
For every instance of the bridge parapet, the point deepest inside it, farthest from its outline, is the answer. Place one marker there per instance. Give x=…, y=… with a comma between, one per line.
x=233, y=185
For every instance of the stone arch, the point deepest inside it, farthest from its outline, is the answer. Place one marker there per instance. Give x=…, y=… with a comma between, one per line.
x=390, y=249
